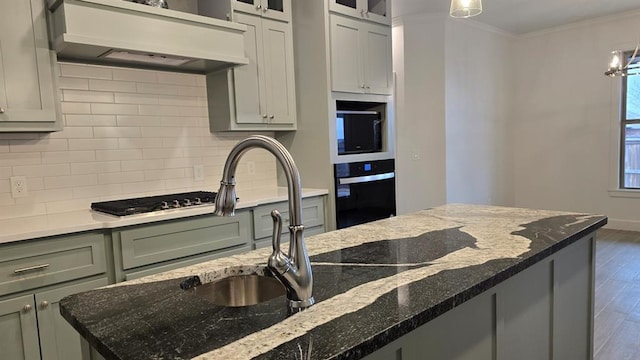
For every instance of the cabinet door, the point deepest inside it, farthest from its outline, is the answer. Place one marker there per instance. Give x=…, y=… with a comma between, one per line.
x=18, y=329
x=249, y=80
x=378, y=66
x=377, y=10
x=347, y=7
x=347, y=73
x=274, y=9
x=279, y=74
x=28, y=85
x=58, y=340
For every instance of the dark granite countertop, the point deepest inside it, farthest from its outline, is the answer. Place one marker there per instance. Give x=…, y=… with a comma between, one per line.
x=373, y=283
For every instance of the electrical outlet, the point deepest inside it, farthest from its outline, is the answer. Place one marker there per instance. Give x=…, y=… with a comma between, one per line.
x=251, y=167
x=19, y=186
x=198, y=172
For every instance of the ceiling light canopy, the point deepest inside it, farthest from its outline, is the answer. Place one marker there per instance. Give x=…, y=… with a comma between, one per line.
x=465, y=8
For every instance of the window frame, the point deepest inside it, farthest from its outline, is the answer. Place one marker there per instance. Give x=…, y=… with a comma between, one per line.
x=623, y=127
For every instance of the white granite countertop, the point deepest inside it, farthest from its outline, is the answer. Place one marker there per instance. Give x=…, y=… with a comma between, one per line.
x=32, y=227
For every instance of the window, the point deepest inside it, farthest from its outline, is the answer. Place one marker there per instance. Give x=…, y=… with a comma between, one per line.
x=630, y=137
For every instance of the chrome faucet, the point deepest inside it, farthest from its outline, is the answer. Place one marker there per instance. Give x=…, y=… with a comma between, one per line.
x=293, y=270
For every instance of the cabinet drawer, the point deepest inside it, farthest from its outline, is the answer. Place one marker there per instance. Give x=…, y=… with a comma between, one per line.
x=36, y=263
x=312, y=216
x=149, y=244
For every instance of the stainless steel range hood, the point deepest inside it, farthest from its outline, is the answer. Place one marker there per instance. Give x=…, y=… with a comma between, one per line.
x=126, y=33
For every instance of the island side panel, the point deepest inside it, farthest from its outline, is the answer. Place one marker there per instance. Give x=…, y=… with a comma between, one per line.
x=543, y=312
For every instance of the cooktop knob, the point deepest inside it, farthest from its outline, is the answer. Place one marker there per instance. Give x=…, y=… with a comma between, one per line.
x=197, y=201
x=186, y=202
x=176, y=203
x=165, y=205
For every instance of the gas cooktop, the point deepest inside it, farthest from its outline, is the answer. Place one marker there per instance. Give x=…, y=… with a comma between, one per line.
x=154, y=203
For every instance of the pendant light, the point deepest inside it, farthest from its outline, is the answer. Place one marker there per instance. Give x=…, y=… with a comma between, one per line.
x=617, y=66
x=465, y=8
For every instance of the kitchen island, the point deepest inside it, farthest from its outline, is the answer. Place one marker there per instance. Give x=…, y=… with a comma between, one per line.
x=483, y=281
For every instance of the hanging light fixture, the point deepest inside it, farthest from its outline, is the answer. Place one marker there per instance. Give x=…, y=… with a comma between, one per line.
x=617, y=66
x=465, y=8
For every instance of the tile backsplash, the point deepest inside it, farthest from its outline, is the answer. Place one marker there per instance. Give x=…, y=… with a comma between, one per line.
x=127, y=133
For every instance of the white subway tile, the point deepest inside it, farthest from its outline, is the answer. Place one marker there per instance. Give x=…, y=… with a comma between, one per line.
x=130, y=98
x=121, y=177
x=73, y=132
x=158, y=89
x=178, y=100
x=75, y=108
x=95, y=167
x=117, y=132
x=93, y=144
x=4, y=146
x=177, y=78
x=90, y=120
x=143, y=187
x=172, y=110
x=94, y=192
x=164, y=174
x=56, y=157
x=192, y=91
x=114, y=109
x=139, y=143
x=35, y=183
x=148, y=76
x=73, y=83
x=161, y=153
x=162, y=132
x=182, y=142
x=85, y=71
x=185, y=183
x=17, y=211
x=5, y=186
x=112, y=85
x=132, y=165
x=42, y=170
x=120, y=154
x=178, y=121
x=6, y=199
x=87, y=96
x=138, y=120
x=201, y=81
x=182, y=163
x=43, y=145
x=43, y=196
x=5, y=172
x=56, y=207
x=70, y=181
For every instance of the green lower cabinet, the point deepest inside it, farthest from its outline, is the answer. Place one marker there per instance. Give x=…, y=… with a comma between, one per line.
x=19, y=329
x=31, y=326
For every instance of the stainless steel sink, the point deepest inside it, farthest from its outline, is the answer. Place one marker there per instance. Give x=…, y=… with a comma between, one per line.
x=240, y=290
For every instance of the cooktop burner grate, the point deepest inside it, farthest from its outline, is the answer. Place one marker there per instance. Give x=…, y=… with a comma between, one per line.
x=154, y=203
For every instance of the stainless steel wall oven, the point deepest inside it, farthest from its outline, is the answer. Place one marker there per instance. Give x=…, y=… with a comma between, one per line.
x=365, y=191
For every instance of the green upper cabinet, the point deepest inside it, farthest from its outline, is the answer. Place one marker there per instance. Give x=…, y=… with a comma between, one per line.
x=372, y=10
x=274, y=9
x=260, y=95
x=28, y=80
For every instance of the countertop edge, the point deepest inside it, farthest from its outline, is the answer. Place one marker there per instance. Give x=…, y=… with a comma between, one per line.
x=40, y=226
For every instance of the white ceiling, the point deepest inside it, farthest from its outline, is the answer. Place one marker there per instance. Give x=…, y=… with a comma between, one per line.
x=523, y=16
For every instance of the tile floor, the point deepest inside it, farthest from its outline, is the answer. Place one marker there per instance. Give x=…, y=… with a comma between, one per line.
x=617, y=303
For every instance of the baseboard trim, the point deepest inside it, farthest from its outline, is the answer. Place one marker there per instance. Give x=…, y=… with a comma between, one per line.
x=618, y=224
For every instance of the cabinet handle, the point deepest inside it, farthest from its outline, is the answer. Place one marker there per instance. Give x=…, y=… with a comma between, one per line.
x=1, y=110
x=271, y=117
x=44, y=304
x=259, y=6
x=26, y=308
x=264, y=116
x=368, y=87
x=265, y=9
x=31, y=268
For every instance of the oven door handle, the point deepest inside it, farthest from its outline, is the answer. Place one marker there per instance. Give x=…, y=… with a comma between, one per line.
x=367, y=178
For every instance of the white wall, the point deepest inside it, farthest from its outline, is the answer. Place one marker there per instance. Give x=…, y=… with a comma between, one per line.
x=418, y=42
x=127, y=133
x=478, y=89
x=564, y=119
x=452, y=99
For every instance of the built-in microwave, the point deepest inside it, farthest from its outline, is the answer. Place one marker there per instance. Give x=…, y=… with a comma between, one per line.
x=359, y=128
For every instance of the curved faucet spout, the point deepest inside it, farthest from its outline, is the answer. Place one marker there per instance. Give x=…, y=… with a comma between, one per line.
x=294, y=269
